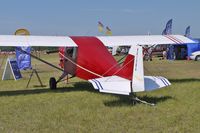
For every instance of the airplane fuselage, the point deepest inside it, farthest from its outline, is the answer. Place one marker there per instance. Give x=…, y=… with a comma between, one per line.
x=93, y=60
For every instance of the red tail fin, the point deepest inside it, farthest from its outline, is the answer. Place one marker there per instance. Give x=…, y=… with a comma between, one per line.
x=127, y=67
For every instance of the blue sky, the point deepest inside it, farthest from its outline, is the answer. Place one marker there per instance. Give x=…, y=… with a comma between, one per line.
x=80, y=17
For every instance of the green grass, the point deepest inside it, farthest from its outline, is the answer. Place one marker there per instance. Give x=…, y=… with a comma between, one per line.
x=77, y=107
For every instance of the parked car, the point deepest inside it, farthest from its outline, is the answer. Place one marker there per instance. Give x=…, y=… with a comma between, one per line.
x=195, y=56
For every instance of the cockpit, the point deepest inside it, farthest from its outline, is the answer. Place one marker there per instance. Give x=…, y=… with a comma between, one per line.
x=70, y=60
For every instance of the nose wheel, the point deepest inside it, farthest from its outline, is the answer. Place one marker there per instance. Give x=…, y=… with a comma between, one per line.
x=52, y=83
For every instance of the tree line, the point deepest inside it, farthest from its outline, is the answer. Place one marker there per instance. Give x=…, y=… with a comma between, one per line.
x=8, y=49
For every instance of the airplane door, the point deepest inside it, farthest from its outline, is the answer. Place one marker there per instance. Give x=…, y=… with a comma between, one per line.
x=70, y=60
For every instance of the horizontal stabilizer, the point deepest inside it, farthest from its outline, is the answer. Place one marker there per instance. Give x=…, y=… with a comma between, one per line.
x=118, y=85
x=155, y=82
x=112, y=84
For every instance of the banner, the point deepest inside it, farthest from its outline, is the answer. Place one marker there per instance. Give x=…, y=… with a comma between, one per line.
x=164, y=32
x=187, y=31
x=168, y=28
x=108, y=31
x=100, y=27
x=23, y=60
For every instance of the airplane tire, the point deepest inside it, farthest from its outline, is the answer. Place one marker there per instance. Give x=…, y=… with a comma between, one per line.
x=52, y=83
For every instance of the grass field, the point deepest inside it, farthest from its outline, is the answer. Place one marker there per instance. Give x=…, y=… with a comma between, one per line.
x=77, y=107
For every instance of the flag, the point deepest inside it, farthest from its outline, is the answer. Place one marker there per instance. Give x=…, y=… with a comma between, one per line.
x=164, y=32
x=100, y=27
x=168, y=28
x=108, y=31
x=23, y=60
x=187, y=31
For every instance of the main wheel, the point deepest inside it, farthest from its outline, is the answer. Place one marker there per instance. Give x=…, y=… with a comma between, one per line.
x=52, y=83
x=197, y=58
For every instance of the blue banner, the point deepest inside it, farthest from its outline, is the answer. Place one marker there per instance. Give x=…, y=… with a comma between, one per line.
x=164, y=32
x=23, y=60
x=187, y=31
x=168, y=28
x=170, y=52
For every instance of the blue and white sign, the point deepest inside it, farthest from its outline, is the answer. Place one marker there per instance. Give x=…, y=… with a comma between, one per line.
x=11, y=70
x=23, y=60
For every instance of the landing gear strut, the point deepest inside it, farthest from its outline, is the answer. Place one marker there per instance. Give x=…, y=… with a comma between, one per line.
x=52, y=83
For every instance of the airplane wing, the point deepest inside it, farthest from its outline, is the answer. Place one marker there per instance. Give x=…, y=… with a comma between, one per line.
x=62, y=41
x=47, y=41
x=144, y=40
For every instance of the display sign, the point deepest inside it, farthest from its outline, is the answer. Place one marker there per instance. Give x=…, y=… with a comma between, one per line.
x=11, y=70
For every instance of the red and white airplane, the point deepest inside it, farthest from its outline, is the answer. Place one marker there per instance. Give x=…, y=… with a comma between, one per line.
x=88, y=58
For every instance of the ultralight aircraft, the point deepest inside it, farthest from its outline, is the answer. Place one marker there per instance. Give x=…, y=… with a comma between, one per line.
x=87, y=57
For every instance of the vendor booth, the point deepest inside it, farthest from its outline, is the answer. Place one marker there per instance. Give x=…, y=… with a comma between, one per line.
x=182, y=51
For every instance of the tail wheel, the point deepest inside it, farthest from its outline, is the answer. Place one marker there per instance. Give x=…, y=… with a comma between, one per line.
x=52, y=83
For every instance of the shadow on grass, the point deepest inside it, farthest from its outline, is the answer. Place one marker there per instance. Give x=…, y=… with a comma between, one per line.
x=85, y=86
x=79, y=86
x=126, y=101
x=184, y=80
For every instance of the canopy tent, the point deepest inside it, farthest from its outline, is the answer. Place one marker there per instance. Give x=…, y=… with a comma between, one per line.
x=182, y=51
